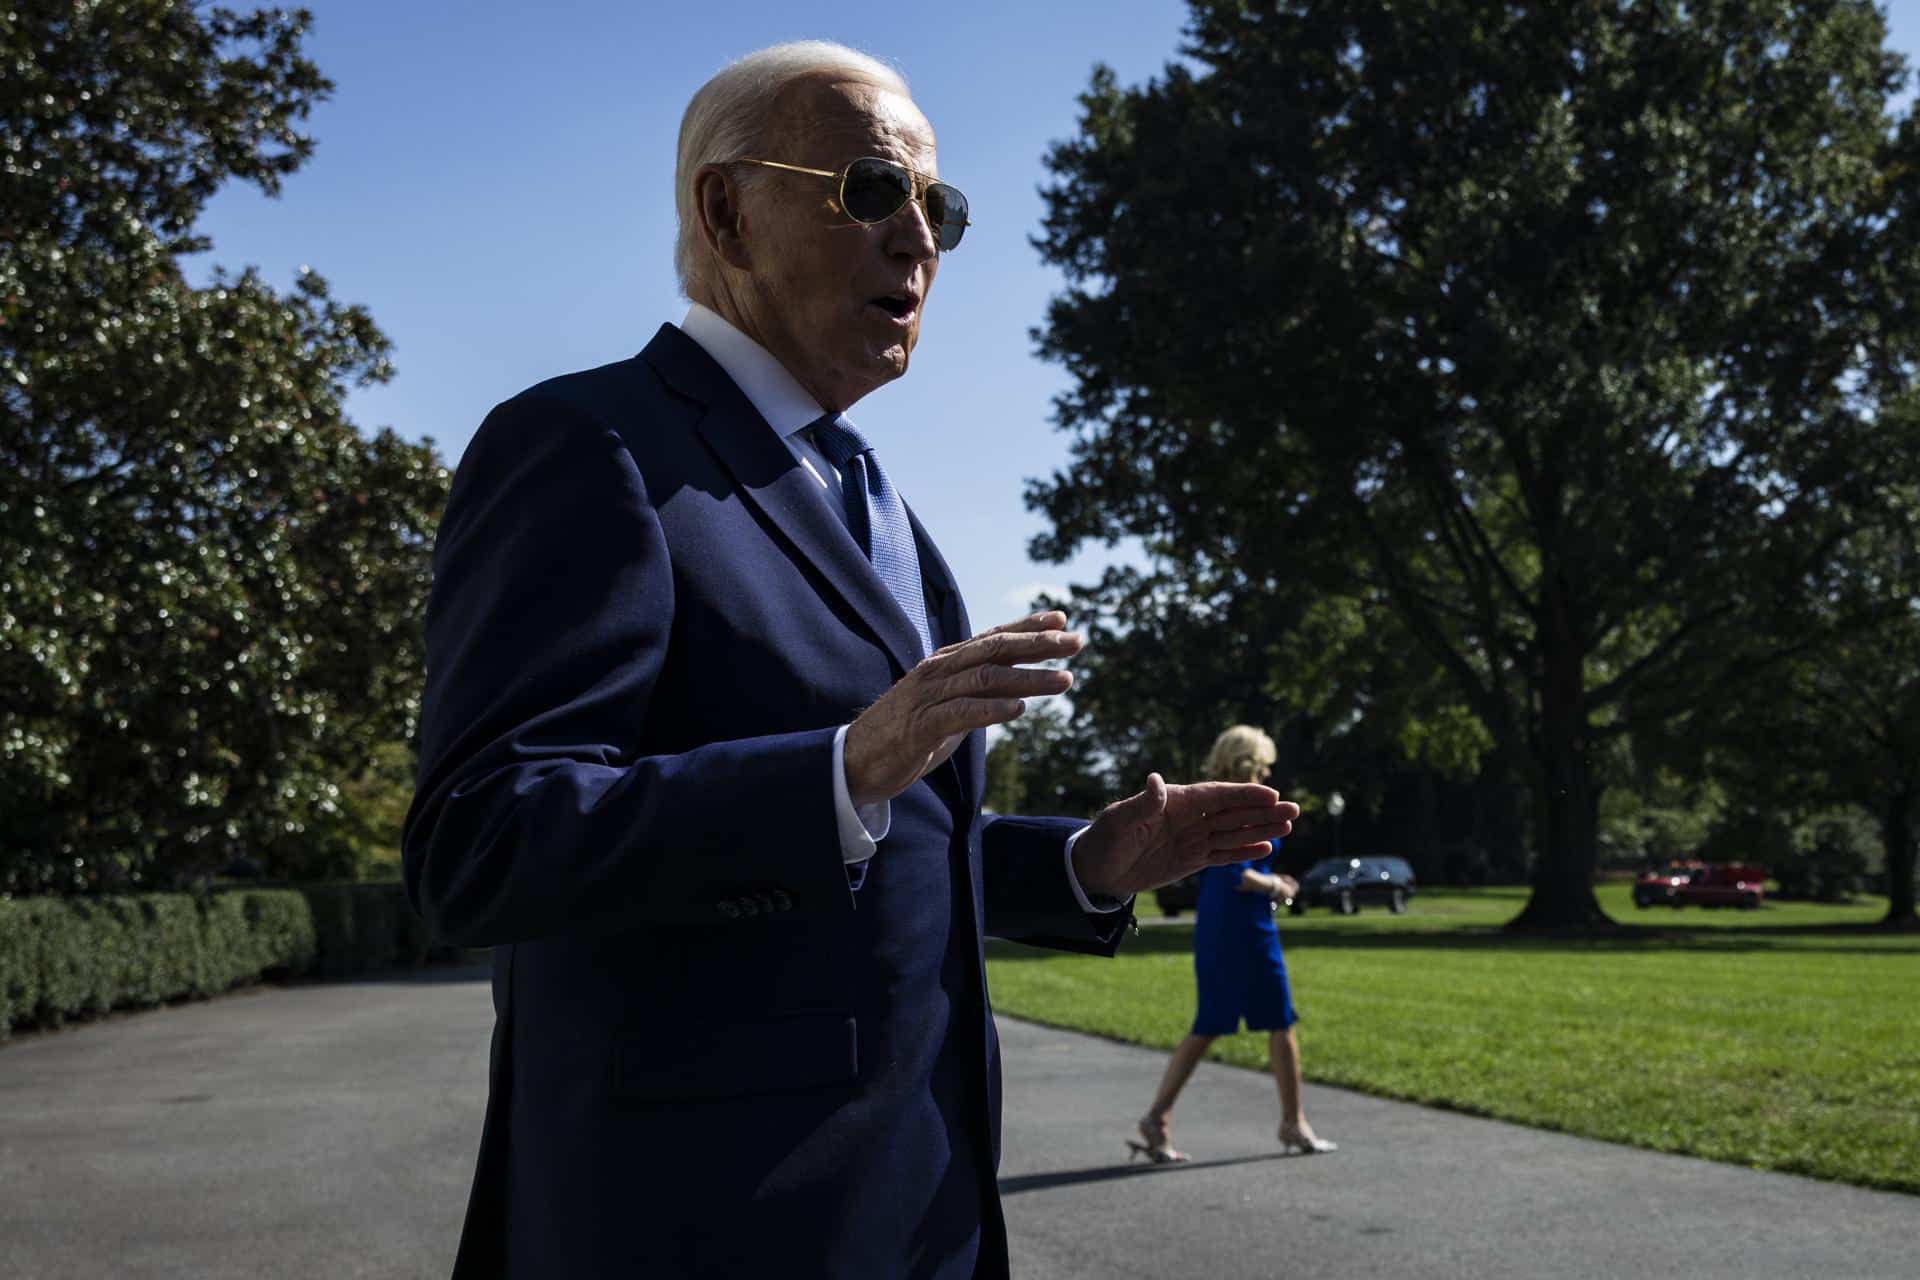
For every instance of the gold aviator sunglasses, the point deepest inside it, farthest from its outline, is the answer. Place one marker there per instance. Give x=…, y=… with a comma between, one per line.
x=873, y=190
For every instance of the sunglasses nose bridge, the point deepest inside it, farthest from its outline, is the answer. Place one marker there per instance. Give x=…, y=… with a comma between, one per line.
x=920, y=218
x=917, y=185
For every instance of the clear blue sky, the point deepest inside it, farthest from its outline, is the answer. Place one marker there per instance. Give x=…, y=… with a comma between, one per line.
x=494, y=182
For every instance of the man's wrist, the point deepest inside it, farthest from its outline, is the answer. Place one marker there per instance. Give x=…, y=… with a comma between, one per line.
x=1089, y=900
x=861, y=827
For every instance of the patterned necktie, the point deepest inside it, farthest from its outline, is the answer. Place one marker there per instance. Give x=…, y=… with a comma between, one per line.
x=876, y=517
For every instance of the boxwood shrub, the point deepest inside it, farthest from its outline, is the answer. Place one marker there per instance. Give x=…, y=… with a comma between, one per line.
x=365, y=927
x=64, y=958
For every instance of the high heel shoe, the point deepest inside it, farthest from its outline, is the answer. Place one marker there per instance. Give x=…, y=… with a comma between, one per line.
x=1155, y=1148
x=1305, y=1142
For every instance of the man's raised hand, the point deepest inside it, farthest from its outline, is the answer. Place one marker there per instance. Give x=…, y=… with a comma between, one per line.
x=919, y=722
x=1165, y=832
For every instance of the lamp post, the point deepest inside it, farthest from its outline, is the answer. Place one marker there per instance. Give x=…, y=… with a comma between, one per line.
x=1336, y=805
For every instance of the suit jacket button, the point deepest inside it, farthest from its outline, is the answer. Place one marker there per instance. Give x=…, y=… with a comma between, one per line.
x=729, y=909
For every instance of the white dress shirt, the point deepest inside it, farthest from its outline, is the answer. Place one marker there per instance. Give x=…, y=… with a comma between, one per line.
x=790, y=410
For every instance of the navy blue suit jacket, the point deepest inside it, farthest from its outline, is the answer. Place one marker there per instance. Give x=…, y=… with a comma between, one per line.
x=717, y=1052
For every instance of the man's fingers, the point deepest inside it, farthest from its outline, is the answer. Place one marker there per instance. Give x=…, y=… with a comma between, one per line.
x=1226, y=824
x=996, y=682
x=1141, y=806
x=1008, y=648
x=991, y=682
x=1214, y=796
x=1045, y=620
x=964, y=715
x=1152, y=802
x=1250, y=837
x=994, y=679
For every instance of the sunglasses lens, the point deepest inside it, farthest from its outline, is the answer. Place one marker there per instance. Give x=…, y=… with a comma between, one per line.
x=947, y=211
x=874, y=190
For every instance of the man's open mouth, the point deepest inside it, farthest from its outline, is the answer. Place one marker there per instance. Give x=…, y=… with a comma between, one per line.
x=897, y=305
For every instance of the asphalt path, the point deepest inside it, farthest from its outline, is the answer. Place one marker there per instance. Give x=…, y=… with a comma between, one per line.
x=328, y=1130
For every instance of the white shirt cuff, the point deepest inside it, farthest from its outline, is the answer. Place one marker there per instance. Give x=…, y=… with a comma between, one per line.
x=1079, y=894
x=862, y=827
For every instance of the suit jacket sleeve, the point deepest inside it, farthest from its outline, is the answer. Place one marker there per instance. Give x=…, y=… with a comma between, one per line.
x=1028, y=897
x=536, y=814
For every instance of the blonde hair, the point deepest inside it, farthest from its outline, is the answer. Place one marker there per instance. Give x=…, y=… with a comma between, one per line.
x=727, y=118
x=1240, y=754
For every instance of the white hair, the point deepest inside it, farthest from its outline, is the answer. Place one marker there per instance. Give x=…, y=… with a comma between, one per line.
x=727, y=118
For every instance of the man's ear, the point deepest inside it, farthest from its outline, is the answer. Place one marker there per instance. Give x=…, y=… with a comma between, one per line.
x=722, y=222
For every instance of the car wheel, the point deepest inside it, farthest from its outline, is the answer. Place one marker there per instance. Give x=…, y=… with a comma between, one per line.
x=1297, y=909
x=1348, y=906
x=1750, y=903
x=1398, y=903
x=1641, y=903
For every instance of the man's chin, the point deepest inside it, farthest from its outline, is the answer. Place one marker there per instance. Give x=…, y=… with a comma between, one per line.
x=888, y=361
x=872, y=369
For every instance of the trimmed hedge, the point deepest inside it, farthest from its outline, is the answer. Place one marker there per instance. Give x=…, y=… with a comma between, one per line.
x=63, y=958
x=366, y=927
x=66, y=958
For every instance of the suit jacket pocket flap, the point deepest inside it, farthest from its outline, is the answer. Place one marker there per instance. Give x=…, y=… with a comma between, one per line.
x=777, y=1055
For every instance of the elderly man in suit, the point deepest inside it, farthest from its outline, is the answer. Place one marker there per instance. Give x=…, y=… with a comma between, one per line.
x=701, y=753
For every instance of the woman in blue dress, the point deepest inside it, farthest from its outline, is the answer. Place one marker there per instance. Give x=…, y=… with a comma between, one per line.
x=1237, y=967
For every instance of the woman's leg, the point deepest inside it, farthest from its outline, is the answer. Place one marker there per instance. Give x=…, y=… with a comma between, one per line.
x=1284, y=1051
x=1186, y=1056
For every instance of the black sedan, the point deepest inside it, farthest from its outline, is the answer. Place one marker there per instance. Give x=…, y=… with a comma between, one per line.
x=1345, y=884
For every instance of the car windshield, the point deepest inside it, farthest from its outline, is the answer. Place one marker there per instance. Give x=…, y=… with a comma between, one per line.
x=1328, y=868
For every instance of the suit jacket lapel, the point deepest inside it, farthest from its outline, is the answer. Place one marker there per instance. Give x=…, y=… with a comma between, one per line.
x=775, y=482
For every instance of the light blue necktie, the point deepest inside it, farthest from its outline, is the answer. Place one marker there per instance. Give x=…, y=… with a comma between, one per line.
x=876, y=517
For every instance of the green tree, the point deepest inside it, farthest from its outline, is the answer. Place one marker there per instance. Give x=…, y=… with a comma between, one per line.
x=1156, y=685
x=1840, y=725
x=1048, y=766
x=1004, y=792
x=211, y=584
x=1570, y=320
x=1658, y=815
x=1176, y=655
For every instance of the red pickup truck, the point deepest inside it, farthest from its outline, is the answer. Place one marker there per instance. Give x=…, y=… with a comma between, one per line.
x=1703, y=884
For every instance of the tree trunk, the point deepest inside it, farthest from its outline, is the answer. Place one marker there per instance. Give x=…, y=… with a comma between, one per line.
x=1501, y=796
x=1569, y=805
x=1898, y=836
x=1426, y=820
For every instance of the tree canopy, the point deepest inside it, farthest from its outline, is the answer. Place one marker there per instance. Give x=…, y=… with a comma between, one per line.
x=1560, y=333
x=210, y=582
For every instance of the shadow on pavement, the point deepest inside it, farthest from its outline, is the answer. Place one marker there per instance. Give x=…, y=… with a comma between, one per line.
x=1106, y=1173
x=425, y=976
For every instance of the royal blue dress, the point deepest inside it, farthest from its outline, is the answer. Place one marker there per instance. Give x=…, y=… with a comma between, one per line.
x=1236, y=955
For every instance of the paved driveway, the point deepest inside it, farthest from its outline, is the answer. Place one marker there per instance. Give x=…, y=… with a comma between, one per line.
x=329, y=1131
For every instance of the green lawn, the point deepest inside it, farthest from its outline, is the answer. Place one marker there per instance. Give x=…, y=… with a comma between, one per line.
x=1785, y=1038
